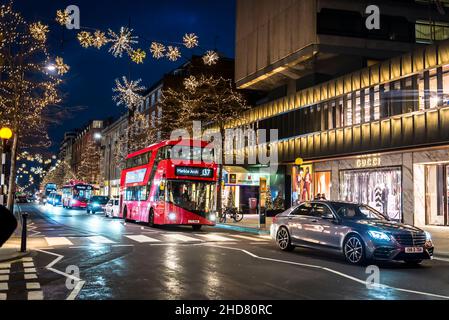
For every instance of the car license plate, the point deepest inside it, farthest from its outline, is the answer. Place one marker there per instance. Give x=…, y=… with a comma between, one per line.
x=414, y=250
x=194, y=221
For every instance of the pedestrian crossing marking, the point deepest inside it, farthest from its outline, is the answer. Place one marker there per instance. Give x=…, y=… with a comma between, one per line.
x=30, y=270
x=35, y=295
x=58, y=241
x=100, y=239
x=33, y=285
x=3, y=286
x=215, y=237
x=142, y=238
x=5, y=265
x=255, y=239
x=30, y=276
x=180, y=237
x=4, y=278
x=28, y=264
x=4, y=271
x=2, y=296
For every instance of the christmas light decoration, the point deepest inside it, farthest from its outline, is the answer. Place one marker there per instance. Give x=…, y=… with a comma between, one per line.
x=138, y=56
x=99, y=39
x=126, y=92
x=173, y=53
x=85, y=38
x=157, y=50
x=121, y=42
x=210, y=58
x=190, y=40
x=61, y=66
x=62, y=17
x=39, y=31
x=191, y=83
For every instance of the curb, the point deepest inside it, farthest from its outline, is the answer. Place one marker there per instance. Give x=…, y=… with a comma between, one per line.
x=242, y=229
x=12, y=255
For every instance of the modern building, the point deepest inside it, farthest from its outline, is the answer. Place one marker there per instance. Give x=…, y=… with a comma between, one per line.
x=111, y=170
x=362, y=115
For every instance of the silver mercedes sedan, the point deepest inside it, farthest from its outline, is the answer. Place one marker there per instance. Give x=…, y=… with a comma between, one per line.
x=358, y=231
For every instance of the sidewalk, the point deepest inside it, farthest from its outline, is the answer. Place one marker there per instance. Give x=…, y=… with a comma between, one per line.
x=250, y=224
x=440, y=238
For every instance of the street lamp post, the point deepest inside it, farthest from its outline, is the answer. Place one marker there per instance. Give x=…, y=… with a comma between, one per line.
x=5, y=135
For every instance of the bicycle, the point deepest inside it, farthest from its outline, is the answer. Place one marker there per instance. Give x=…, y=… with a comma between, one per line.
x=233, y=213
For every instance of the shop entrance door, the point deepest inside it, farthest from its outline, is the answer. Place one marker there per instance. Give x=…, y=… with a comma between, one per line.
x=437, y=200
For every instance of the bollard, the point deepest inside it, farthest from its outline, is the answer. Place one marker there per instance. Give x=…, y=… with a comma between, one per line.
x=23, y=245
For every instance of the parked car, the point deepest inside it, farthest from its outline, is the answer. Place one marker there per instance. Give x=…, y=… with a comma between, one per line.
x=358, y=231
x=112, y=208
x=97, y=204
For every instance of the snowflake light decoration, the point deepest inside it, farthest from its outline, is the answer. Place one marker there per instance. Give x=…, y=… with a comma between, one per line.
x=190, y=40
x=191, y=83
x=121, y=42
x=99, y=39
x=61, y=67
x=126, y=92
x=39, y=31
x=138, y=56
x=85, y=38
x=157, y=50
x=62, y=17
x=173, y=53
x=210, y=58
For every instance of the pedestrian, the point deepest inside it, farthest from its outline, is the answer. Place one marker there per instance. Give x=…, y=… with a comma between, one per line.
x=8, y=225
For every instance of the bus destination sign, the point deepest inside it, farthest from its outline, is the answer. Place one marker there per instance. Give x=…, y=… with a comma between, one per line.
x=194, y=172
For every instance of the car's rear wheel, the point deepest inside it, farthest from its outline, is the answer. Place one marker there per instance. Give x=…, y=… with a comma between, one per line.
x=283, y=240
x=354, y=250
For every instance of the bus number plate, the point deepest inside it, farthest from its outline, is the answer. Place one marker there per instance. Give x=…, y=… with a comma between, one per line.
x=194, y=221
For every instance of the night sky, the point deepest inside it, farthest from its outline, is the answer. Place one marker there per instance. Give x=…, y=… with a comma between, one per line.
x=91, y=78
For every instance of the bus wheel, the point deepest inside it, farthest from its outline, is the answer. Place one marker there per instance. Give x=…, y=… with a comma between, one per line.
x=196, y=227
x=151, y=218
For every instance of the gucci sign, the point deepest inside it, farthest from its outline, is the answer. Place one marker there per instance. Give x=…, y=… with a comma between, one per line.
x=368, y=162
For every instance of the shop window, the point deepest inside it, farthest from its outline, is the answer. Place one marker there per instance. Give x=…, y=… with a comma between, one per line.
x=376, y=103
x=348, y=113
x=302, y=179
x=322, y=184
x=427, y=32
x=366, y=106
x=380, y=188
x=421, y=93
x=358, y=109
x=433, y=89
x=445, y=95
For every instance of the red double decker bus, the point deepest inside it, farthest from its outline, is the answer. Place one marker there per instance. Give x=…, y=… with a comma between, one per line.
x=76, y=194
x=170, y=183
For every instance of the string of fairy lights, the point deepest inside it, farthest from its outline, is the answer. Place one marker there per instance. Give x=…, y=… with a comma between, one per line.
x=33, y=168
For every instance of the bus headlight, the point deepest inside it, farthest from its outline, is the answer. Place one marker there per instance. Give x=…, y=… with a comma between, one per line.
x=172, y=216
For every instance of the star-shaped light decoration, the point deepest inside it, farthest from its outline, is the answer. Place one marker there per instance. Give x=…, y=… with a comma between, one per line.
x=190, y=40
x=39, y=31
x=210, y=58
x=122, y=41
x=61, y=67
x=62, y=17
x=173, y=53
x=138, y=56
x=191, y=83
x=85, y=38
x=127, y=92
x=157, y=50
x=99, y=39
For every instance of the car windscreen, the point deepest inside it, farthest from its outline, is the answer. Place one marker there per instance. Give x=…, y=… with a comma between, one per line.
x=357, y=212
x=100, y=199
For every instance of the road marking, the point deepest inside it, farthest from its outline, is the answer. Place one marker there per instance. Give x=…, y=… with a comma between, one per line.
x=28, y=264
x=122, y=245
x=4, y=278
x=33, y=285
x=265, y=237
x=4, y=271
x=30, y=276
x=440, y=259
x=215, y=237
x=5, y=265
x=35, y=295
x=341, y=274
x=27, y=259
x=142, y=239
x=79, y=283
x=3, y=286
x=248, y=238
x=180, y=237
x=58, y=241
x=100, y=239
x=2, y=296
x=30, y=270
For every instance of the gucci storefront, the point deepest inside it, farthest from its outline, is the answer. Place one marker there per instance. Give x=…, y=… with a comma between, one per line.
x=411, y=186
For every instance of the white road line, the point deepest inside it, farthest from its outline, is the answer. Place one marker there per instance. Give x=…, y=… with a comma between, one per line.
x=441, y=259
x=100, y=239
x=122, y=245
x=3, y=296
x=341, y=274
x=35, y=295
x=27, y=259
x=28, y=264
x=5, y=265
x=33, y=285
x=30, y=270
x=4, y=278
x=254, y=239
x=80, y=283
x=142, y=239
x=3, y=286
x=215, y=237
x=180, y=237
x=30, y=276
x=4, y=271
x=58, y=241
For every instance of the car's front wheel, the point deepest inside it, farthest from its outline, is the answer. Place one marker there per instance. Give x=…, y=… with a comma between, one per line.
x=283, y=240
x=354, y=250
